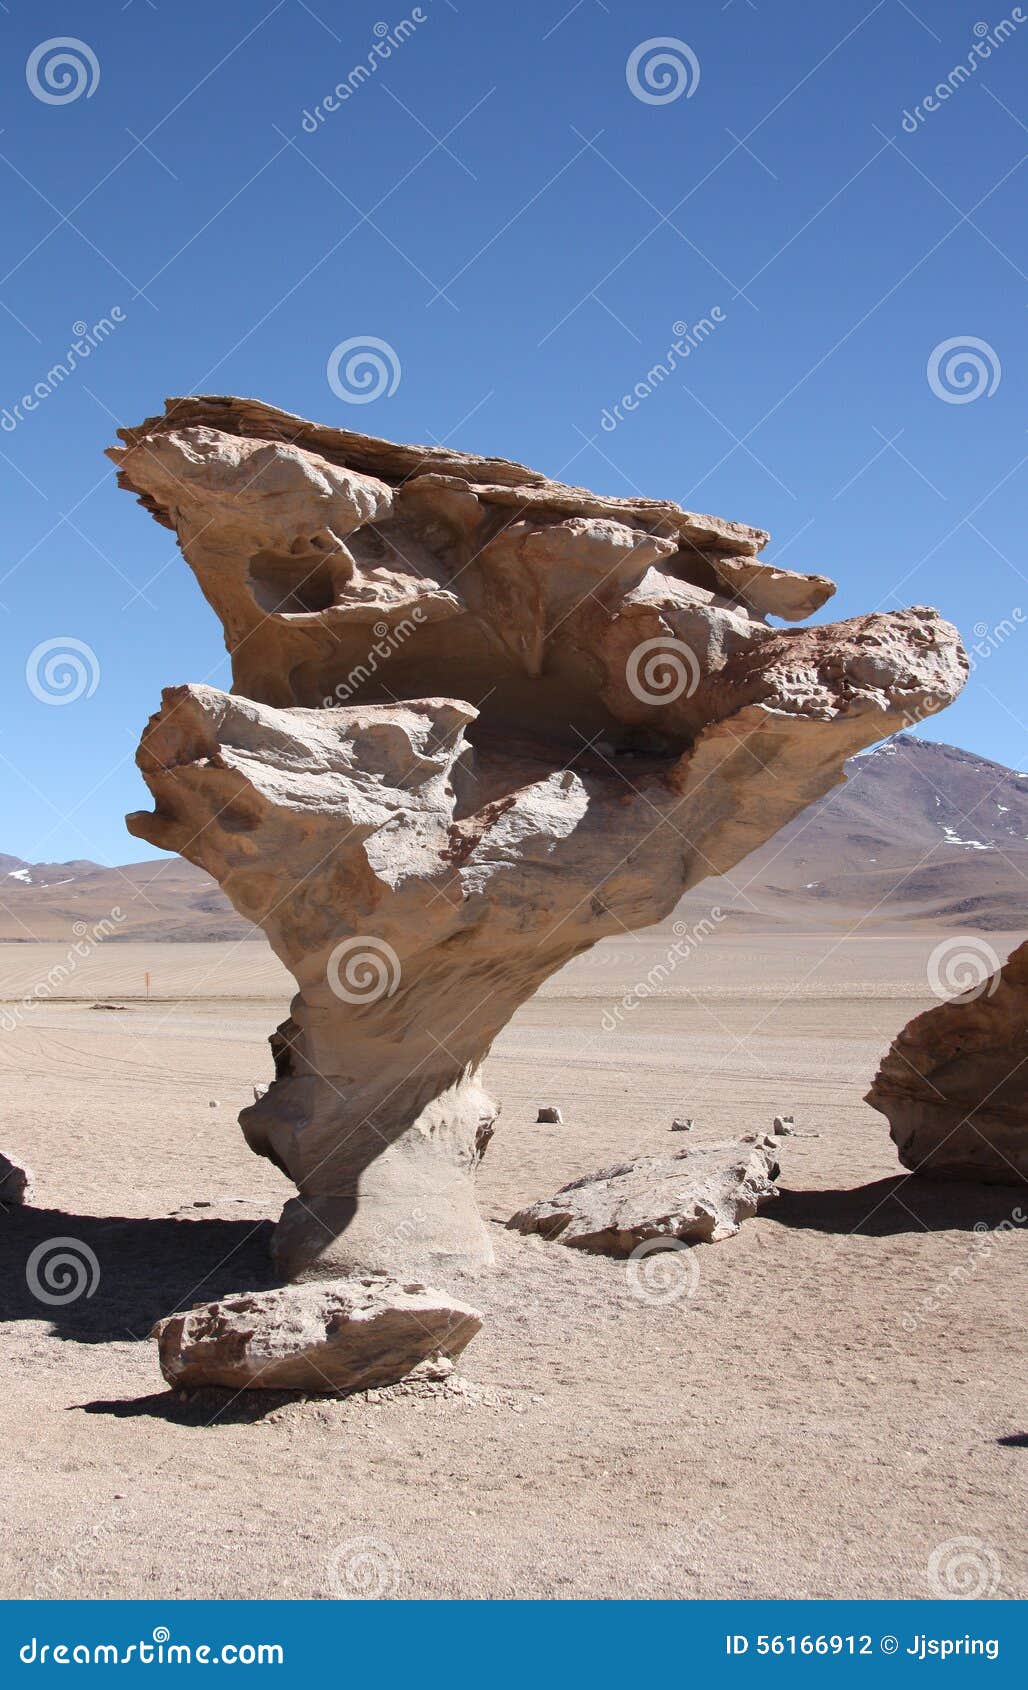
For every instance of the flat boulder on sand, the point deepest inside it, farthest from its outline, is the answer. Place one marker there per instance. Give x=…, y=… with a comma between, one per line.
x=700, y=1195
x=336, y=1335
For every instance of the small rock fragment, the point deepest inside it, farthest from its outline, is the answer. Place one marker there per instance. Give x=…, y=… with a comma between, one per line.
x=549, y=1115
x=685, y=1125
x=15, y=1183
x=784, y=1126
x=214, y=1104
x=329, y=1335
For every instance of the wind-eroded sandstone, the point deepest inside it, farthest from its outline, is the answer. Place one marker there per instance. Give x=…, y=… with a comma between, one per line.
x=346, y=1335
x=954, y=1083
x=697, y=1196
x=479, y=720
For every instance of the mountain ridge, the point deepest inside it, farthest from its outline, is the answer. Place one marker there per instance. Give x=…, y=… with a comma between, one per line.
x=921, y=832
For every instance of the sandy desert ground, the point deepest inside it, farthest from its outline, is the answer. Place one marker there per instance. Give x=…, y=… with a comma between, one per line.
x=835, y=1406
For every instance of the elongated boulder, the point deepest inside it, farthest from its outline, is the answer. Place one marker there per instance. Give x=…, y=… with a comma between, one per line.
x=954, y=1083
x=341, y=1335
x=479, y=720
x=700, y=1196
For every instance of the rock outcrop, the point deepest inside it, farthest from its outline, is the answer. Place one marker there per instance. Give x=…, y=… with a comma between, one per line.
x=341, y=1335
x=479, y=721
x=15, y=1184
x=699, y=1196
x=954, y=1084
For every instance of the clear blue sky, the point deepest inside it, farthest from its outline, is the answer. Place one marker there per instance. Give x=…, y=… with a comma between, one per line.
x=501, y=156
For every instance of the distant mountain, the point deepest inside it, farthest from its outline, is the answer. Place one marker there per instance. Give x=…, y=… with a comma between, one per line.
x=920, y=832
x=165, y=898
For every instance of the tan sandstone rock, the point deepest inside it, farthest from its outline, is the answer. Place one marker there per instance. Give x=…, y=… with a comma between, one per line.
x=954, y=1084
x=699, y=1195
x=338, y=1335
x=479, y=721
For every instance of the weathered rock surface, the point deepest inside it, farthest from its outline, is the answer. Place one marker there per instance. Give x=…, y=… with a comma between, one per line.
x=15, y=1183
x=403, y=788
x=339, y=1335
x=700, y=1195
x=954, y=1084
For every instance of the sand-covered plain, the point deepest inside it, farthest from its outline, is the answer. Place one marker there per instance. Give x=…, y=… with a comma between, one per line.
x=837, y=1403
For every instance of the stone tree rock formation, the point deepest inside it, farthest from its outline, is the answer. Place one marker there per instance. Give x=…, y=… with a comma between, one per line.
x=479, y=720
x=954, y=1083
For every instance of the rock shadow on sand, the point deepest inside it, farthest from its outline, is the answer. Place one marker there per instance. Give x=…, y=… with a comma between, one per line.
x=902, y=1203
x=126, y=1273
